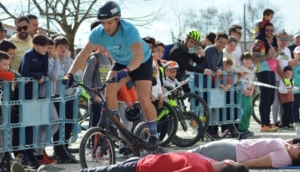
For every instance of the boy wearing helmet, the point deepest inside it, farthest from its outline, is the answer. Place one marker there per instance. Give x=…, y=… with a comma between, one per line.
x=132, y=61
x=180, y=54
x=172, y=72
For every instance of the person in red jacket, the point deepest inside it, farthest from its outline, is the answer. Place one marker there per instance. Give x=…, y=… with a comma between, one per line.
x=168, y=162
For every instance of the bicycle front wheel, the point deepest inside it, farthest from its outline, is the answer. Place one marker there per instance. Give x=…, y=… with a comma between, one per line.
x=190, y=130
x=90, y=152
x=255, y=104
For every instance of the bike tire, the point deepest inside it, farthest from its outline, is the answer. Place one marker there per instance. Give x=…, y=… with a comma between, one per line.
x=197, y=128
x=170, y=120
x=255, y=116
x=86, y=139
x=203, y=112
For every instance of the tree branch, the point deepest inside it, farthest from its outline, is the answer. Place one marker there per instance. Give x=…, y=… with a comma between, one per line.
x=6, y=11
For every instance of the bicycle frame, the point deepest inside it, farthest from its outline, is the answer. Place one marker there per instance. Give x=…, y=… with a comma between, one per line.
x=129, y=138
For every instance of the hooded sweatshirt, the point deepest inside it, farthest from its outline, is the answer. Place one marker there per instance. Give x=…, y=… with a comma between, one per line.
x=22, y=47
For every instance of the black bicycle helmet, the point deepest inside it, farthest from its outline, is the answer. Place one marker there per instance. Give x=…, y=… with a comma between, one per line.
x=133, y=113
x=108, y=10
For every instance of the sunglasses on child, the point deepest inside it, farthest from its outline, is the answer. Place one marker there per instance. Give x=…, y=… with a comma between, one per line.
x=269, y=30
x=284, y=39
x=19, y=29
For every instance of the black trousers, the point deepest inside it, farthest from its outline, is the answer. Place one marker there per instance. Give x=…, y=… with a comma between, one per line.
x=287, y=112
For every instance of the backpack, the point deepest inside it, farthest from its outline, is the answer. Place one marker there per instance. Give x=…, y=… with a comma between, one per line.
x=94, y=55
x=169, y=47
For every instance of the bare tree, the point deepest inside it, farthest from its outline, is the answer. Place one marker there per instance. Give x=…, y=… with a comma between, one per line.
x=66, y=16
x=225, y=20
x=254, y=14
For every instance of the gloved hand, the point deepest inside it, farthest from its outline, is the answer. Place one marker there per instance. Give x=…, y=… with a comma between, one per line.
x=286, y=82
x=122, y=74
x=68, y=80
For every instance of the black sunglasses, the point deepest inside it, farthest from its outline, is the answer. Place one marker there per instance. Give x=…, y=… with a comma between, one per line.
x=5, y=31
x=19, y=29
x=269, y=30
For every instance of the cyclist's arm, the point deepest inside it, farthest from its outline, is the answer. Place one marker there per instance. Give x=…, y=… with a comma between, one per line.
x=137, y=56
x=179, y=56
x=82, y=57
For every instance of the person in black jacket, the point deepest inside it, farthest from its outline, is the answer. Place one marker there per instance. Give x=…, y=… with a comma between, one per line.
x=181, y=54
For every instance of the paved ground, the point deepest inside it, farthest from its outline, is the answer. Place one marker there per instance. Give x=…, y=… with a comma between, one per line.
x=284, y=134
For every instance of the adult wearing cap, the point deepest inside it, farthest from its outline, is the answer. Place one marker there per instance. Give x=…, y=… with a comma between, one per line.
x=2, y=31
x=296, y=43
x=133, y=61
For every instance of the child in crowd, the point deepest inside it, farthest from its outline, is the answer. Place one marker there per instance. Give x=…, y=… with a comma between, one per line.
x=247, y=91
x=259, y=28
x=61, y=44
x=53, y=64
x=172, y=72
x=34, y=64
x=296, y=103
x=286, y=97
x=227, y=65
x=126, y=98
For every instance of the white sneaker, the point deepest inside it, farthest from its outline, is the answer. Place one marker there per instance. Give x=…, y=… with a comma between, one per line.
x=297, y=124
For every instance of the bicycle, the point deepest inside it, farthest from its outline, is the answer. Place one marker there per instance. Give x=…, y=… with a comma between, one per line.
x=198, y=112
x=98, y=143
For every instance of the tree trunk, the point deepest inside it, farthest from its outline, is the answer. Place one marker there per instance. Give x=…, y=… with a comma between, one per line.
x=71, y=39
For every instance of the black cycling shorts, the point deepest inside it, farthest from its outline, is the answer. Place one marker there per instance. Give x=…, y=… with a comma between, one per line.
x=143, y=72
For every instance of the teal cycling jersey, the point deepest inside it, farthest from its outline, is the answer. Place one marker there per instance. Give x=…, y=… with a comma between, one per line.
x=119, y=44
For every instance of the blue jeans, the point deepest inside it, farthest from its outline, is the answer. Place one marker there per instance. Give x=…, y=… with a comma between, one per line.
x=266, y=95
x=295, y=108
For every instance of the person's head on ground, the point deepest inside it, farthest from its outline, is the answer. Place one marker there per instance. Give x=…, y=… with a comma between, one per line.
x=283, y=39
x=172, y=67
x=40, y=43
x=268, y=14
x=4, y=61
x=246, y=59
x=33, y=24
x=288, y=71
x=230, y=166
x=269, y=29
x=50, y=46
x=158, y=50
x=2, y=31
x=221, y=41
x=109, y=13
x=193, y=36
x=22, y=27
x=61, y=44
x=150, y=41
x=297, y=38
x=231, y=44
x=227, y=63
x=8, y=47
x=209, y=39
x=236, y=31
x=294, y=152
x=297, y=53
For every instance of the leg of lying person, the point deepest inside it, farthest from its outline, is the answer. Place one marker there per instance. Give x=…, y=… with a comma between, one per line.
x=128, y=166
x=218, y=150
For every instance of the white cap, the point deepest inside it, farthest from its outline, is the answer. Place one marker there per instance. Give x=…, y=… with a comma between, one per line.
x=297, y=34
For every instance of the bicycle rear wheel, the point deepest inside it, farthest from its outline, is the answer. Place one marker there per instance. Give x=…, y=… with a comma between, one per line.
x=190, y=130
x=90, y=149
x=197, y=105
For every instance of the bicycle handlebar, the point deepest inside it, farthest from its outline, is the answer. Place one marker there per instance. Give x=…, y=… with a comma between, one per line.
x=110, y=81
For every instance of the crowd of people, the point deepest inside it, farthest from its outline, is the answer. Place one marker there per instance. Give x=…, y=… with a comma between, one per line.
x=144, y=68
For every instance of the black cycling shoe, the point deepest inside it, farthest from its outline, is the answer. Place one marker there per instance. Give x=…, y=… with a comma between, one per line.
x=153, y=143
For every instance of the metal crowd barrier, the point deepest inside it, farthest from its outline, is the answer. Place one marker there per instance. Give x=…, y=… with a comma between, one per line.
x=216, y=98
x=34, y=113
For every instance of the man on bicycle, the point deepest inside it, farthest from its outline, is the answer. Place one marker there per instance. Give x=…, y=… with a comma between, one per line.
x=132, y=56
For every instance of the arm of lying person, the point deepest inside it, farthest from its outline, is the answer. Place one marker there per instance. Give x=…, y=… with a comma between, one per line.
x=263, y=162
